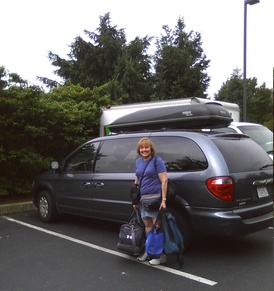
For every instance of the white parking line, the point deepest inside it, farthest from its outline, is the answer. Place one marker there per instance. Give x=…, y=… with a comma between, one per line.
x=160, y=267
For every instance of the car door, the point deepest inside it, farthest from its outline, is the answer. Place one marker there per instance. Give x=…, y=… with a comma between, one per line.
x=73, y=186
x=113, y=178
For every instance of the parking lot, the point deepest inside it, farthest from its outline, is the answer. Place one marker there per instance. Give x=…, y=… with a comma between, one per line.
x=80, y=254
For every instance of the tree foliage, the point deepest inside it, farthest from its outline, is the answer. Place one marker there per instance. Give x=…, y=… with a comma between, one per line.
x=37, y=127
x=259, y=98
x=180, y=64
x=178, y=68
x=92, y=63
x=106, y=58
x=19, y=159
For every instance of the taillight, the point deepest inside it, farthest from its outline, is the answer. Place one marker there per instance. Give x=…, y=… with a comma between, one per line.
x=221, y=187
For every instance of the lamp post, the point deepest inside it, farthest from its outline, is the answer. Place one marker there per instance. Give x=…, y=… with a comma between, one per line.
x=250, y=2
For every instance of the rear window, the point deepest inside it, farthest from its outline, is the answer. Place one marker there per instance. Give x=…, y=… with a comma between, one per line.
x=242, y=155
x=180, y=154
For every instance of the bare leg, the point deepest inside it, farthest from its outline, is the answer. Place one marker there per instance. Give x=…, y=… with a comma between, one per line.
x=148, y=223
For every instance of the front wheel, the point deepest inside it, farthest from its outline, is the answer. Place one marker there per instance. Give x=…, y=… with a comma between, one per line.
x=46, y=207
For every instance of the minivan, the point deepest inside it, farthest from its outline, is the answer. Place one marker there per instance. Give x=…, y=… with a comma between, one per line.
x=224, y=181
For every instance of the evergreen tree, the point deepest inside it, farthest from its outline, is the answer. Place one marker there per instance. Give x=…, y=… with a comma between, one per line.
x=107, y=60
x=180, y=64
x=259, y=99
x=232, y=89
x=92, y=63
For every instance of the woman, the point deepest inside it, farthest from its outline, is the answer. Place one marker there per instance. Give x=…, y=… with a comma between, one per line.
x=152, y=178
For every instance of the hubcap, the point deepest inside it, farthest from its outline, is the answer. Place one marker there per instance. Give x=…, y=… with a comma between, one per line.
x=43, y=207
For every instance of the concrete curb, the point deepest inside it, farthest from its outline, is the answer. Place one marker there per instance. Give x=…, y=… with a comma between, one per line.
x=16, y=207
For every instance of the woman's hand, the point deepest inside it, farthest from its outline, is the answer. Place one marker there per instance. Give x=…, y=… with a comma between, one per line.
x=163, y=205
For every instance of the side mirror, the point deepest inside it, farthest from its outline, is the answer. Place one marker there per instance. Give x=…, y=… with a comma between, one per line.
x=54, y=165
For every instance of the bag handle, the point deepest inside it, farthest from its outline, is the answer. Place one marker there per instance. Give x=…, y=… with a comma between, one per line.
x=160, y=215
x=136, y=212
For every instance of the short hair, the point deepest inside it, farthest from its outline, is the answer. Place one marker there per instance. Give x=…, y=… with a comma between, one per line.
x=147, y=141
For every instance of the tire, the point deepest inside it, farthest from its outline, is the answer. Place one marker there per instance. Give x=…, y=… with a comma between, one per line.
x=184, y=227
x=46, y=207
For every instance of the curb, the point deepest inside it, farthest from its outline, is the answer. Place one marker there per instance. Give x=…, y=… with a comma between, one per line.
x=16, y=207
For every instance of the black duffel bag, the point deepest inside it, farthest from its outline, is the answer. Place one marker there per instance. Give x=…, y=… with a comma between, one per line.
x=132, y=235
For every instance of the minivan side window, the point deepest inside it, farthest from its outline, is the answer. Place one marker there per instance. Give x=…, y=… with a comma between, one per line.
x=117, y=156
x=180, y=154
x=82, y=160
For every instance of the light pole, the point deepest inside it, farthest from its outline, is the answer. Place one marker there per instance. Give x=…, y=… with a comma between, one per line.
x=250, y=2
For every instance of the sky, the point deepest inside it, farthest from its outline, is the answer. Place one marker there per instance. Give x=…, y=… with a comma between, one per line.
x=32, y=28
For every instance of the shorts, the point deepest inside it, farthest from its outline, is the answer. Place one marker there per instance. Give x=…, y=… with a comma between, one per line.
x=145, y=213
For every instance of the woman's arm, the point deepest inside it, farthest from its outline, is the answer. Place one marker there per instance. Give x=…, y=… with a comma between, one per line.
x=163, y=179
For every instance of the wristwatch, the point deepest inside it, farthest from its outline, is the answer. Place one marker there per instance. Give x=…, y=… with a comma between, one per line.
x=164, y=199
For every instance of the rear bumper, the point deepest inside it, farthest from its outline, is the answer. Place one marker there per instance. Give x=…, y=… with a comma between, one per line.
x=229, y=222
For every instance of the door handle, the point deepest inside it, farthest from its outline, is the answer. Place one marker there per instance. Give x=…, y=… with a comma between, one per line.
x=86, y=184
x=98, y=185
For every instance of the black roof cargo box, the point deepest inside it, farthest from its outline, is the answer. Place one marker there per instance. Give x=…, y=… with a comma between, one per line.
x=194, y=116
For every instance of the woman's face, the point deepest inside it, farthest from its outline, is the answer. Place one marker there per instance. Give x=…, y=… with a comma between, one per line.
x=145, y=150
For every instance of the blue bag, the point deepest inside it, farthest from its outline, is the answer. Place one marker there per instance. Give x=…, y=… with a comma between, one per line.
x=174, y=242
x=154, y=243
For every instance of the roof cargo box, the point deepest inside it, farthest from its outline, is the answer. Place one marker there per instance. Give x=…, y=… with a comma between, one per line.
x=195, y=116
x=111, y=113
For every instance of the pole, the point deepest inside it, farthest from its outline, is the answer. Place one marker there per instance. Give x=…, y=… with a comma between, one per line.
x=250, y=2
x=244, y=77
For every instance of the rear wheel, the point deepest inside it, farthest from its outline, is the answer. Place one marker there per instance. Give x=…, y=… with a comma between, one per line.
x=46, y=207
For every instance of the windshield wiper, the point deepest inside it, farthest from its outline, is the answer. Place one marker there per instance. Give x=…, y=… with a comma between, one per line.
x=266, y=166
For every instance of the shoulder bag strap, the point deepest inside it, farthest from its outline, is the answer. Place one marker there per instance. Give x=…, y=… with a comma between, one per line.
x=139, y=183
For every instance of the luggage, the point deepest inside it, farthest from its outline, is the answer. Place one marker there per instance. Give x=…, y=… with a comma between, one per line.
x=155, y=243
x=195, y=116
x=172, y=190
x=174, y=242
x=132, y=235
